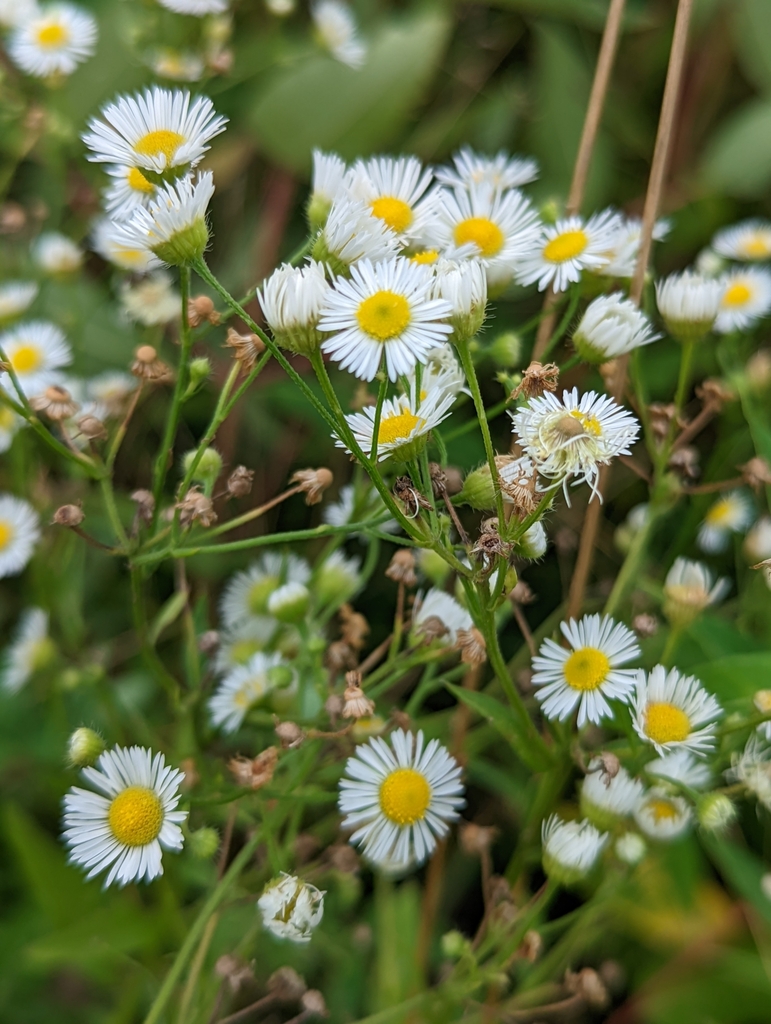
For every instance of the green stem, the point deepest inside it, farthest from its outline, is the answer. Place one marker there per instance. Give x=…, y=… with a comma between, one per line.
x=630, y=568
x=462, y=345
x=108, y=496
x=563, y=324
x=381, y=395
x=153, y=662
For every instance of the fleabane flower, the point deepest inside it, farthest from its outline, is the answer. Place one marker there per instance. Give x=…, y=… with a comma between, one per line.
x=198, y=8
x=394, y=190
x=573, y=436
x=499, y=172
x=10, y=424
x=605, y=800
x=111, y=390
x=749, y=241
x=357, y=505
x=350, y=234
x=151, y=301
x=405, y=424
x=496, y=228
x=56, y=254
x=464, y=285
x=385, y=309
x=570, y=849
x=292, y=300
x=177, y=65
x=337, y=32
x=623, y=253
x=108, y=238
x=244, y=687
x=732, y=513
x=247, y=593
x=747, y=298
x=129, y=189
x=438, y=616
x=15, y=298
x=329, y=182
x=19, y=533
x=173, y=227
x=399, y=799
x=673, y=711
x=689, y=588
x=440, y=371
x=680, y=766
x=753, y=768
x=689, y=304
x=37, y=351
x=563, y=250
x=126, y=825
x=586, y=674
x=757, y=543
x=663, y=815
x=611, y=326
x=53, y=40
x=159, y=131
x=29, y=651
x=291, y=908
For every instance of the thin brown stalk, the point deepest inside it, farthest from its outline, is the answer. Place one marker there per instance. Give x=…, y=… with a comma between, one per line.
x=524, y=628
x=697, y=424
x=255, y=513
x=718, y=485
x=375, y=656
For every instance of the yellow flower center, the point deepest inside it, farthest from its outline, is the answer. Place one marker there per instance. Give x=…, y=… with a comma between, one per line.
x=52, y=35
x=662, y=810
x=242, y=651
x=26, y=358
x=135, y=816
x=6, y=534
x=427, y=257
x=161, y=141
x=404, y=796
x=720, y=513
x=586, y=669
x=135, y=257
x=395, y=212
x=138, y=181
x=756, y=247
x=576, y=423
x=566, y=246
x=6, y=417
x=737, y=295
x=246, y=696
x=590, y=424
x=397, y=428
x=384, y=315
x=665, y=723
x=485, y=235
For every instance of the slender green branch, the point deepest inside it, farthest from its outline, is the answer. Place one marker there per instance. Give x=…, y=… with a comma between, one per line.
x=462, y=345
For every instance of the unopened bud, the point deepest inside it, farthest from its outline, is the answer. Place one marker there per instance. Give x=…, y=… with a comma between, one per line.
x=91, y=427
x=455, y=945
x=209, y=465
x=200, y=371
x=289, y=603
x=478, y=490
x=290, y=734
x=69, y=515
x=147, y=365
x=630, y=848
x=286, y=985
x=506, y=350
x=313, y=1003
x=84, y=747
x=203, y=843
x=716, y=812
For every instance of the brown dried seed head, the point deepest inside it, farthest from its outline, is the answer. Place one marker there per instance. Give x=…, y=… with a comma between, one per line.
x=608, y=766
x=69, y=515
x=476, y=839
x=531, y=947
x=240, y=482
x=334, y=705
x=147, y=365
x=472, y=647
x=290, y=734
x=685, y=462
x=254, y=773
x=715, y=392
x=536, y=379
x=56, y=403
x=91, y=427
x=522, y=593
x=196, y=507
x=342, y=857
x=660, y=416
x=201, y=309
x=588, y=985
x=209, y=641
x=756, y=473
x=431, y=628
x=313, y=1003
x=233, y=970
x=286, y=985
x=354, y=628
x=645, y=625
x=339, y=657
x=313, y=483
x=246, y=348
x=145, y=504
x=357, y=705
x=401, y=568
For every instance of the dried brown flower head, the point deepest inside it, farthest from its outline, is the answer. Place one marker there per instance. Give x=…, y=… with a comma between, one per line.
x=354, y=627
x=536, y=379
x=645, y=625
x=588, y=985
x=256, y=772
x=715, y=393
x=69, y=515
x=532, y=945
x=286, y=985
x=401, y=568
x=413, y=501
x=334, y=705
x=234, y=971
x=313, y=483
x=431, y=628
x=685, y=462
x=522, y=593
x=290, y=734
x=56, y=403
x=520, y=489
x=91, y=427
x=660, y=415
x=490, y=545
x=340, y=657
x=196, y=507
x=147, y=365
x=247, y=348
x=201, y=310
x=476, y=839
x=608, y=765
x=357, y=704
x=240, y=482
x=472, y=647
x=209, y=641
x=756, y=473
x=145, y=503
x=313, y=1004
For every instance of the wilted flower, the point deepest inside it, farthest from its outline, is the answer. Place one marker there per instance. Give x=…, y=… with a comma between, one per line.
x=291, y=908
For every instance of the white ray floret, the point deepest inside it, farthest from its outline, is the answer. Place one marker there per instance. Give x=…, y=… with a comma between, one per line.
x=689, y=588
x=748, y=241
x=560, y=253
x=37, y=351
x=746, y=299
x=680, y=766
x=330, y=181
x=10, y=424
x=464, y=285
x=53, y=40
x=385, y=309
x=732, y=513
x=173, y=226
x=157, y=130
x=125, y=826
x=436, y=604
x=689, y=304
x=605, y=799
x=673, y=711
x=357, y=506
x=337, y=32
x=112, y=390
x=404, y=424
x=663, y=815
x=129, y=189
x=237, y=644
x=622, y=255
x=612, y=326
x=16, y=297
x=29, y=648
x=350, y=234
x=247, y=593
x=198, y=8
x=14, y=12
x=292, y=300
x=241, y=689
x=108, y=238
x=291, y=908
x=440, y=372
x=757, y=543
x=394, y=189
x=19, y=533
x=399, y=798
x=570, y=848
x=499, y=172
x=586, y=674
x=753, y=768
x=56, y=254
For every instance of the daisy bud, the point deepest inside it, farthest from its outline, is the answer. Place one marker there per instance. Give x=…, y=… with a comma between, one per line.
x=689, y=304
x=472, y=646
x=173, y=226
x=204, y=843
x=611, y=326
x=292, y=300
x=289, y=603
x=688, y=590
x=506, y=350
x=455, y=945
x=337, y=579
x=402, y=568
x=464, y=286
x=201, y=310
x=570, y=849
x=477, y=490
x=246, y=348
x=533, y=542
x=254, y=773
x=716, y=812
x=91, y=427
x=356, y=704
x=200, y=371
x=69, y=515
x=240, y=482
x=286, y=985
x=145, y=503
x=290, y=735
x=209, y=466
x=84, y=747
x=291, y=909
x=196, y=507
x=630, y=848
x=56, y=403
x=147, y=365
x=313, y=483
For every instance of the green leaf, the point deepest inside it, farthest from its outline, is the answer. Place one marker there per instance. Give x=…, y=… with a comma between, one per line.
x=752, y=31
x=493, y=710
x=736, y=677
x=738, y=161
x=170, y=611
x=741, y=869
x=590, y=13
x=326, y=104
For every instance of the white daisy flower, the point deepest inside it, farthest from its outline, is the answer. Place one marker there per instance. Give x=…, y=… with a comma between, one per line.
x=399, y=800
x=570, y=849
x=16, y=297
x=384, y=309
x=451, y=616
x=111, y=390
x=604, y=799
x=496, y=228
x=533, y=542
x=680, y=766
x=630, y=848
x=239, y=643
x=563, y=250
x=292, y=300
x=177, y=65
x=329, y=182
x=291, y=908
x=337, y=579
x=350, y=233
x=198, y=8
x=29, y=650
x=56, y=254
x=404, y=424
x=689, y=588
x=499, y=172
x=572, y=436
x=757, y=543
x=10, y=424
x=586, y=674
x=636, y=519
x=127, y=827
x=673, y=711
x=611, y=326
x=37, y=350
x=289, y=603
x=748, y=241
x=173, y=226
x=440, y=372
x=663, y=815
x=129, y=189
x=109, y=240
x=152, y=301
x=732, y=513
x=753, y=768
x=689, y=304
x=247, y=593
x=622, y=255
x=156, y=130
x=53, y=40
x=242, y=688
x=337, y=32
x=15, y=12
x=747, y=298
x=394, y=189
x=464, y=285
x=281, y=8
x=354, y=506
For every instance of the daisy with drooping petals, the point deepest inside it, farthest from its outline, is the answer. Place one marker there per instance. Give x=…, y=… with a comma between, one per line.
x=19, y=533
x=10, y=424
x=291, y=908
x=622, y=255
x=242, y=688
x=16, y=297
x=673, y=711
x=292, y=299
x=156, y=130
x=337, y=32
x=350, y=234
x=329, y=181
x=394, y=190
x=56, y=254
x=663, y=815
x=36, y=350
x=198, y=8
x=247, y=593
x=680, y=766
x=570, y=849
x=689, y=588
x=572, y=436
x=732, y=513
x=404, y=424
x=130, y=821
x=689, y=304
x=747, y=298
x=566, y=248
x=173, y=227
x=109, y=240
x=605, y=799
x=129, y=189
x=464, y=285
x=610, y=327
x=53, y=40
x=586, y=674
x=499, y=172
x=385, y=309
x=400, y=798
x=449, y=615
x=748, y=241
x=29, y=651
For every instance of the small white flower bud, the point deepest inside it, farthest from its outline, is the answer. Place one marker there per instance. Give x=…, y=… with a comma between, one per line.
x=84, y=747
